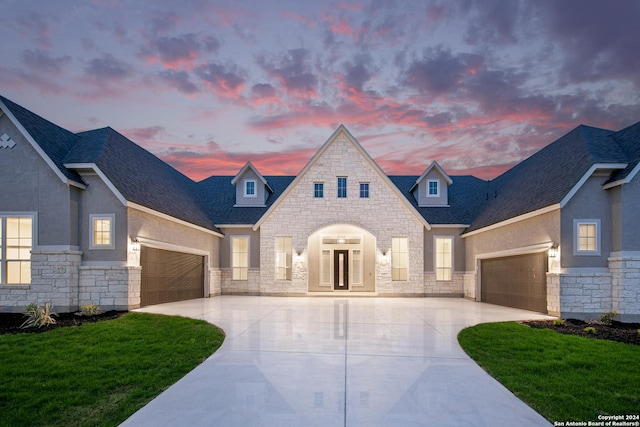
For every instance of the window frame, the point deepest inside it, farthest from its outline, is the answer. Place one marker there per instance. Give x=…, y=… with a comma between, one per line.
x=112, y=227
x=399, y=260
x=577, y=238
x=364, y=190
x=341, y=189
x=246, y=187
x=4, y=260
x=242, y=270
x=288, y=258
x=318, y=190
x=437, y=183
x=442, y=269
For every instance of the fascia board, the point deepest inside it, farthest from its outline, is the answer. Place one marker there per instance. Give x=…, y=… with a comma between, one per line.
x=514, y=220
x=586, y=176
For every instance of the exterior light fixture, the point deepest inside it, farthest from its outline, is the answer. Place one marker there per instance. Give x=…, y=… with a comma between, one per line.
x=553, y=250
x=135, y=245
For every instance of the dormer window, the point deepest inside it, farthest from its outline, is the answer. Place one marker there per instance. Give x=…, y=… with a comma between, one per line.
x=250, y=188
x=433, y=188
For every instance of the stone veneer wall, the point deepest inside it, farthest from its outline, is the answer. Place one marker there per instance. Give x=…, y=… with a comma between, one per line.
x=111, y=287
x=251, y=286
x=54, y=278
x=434, y=288
x=215, y=282
x=585, y=295
x=625, y=286
x=469, y=285
x=553, y=294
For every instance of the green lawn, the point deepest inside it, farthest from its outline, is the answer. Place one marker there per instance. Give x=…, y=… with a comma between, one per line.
x=563, y=377
x=97, y=374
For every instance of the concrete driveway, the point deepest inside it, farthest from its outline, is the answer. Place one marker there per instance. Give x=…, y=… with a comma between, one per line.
x=338, y=362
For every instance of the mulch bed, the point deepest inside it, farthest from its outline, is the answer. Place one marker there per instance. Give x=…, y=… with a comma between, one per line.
x=10, y=322
x=617, y=331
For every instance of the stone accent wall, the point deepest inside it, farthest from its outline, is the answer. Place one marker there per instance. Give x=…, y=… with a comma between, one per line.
x=553, y=294
x=453, y=288
x=111, y=287
x=625, y=286
x=251, y=286
x=585, y=295
x=469, y=285
x=383, y=214
x=54, y=278
x=215, y=282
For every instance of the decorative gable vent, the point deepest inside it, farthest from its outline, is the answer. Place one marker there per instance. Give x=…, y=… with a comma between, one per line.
x=6, y=141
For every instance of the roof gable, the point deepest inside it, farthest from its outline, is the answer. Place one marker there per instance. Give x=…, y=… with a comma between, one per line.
x=342, y=130
x=249, y=166
x=433, y=166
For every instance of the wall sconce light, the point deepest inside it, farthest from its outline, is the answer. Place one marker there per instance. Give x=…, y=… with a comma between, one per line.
x=553, y=250
x=135, y=245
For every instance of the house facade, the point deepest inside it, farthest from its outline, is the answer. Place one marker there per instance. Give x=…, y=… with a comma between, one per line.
x=91, y=217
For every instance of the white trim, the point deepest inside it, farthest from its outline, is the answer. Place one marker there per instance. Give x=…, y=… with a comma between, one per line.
x=541, y=247
x=625, y=180
x=242, y=171
x=249, y=206
x=144, y=209
x=245, y=183
x=315, y=158
x=586, y=176
x=449, y=225
x=39, y=149
x=234, y=225
x=513, y=220
x=435, y=255
x=158, y=244
x=429, y=181
x=231, y=267
x=576, y=237
x=112, y=231
x=433, y=165
x=94, y=167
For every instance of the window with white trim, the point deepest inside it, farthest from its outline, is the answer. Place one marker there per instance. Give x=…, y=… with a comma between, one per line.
x=364, y=190
x=239, y=257
x=16, y=243
x=399, y=258
x=102, y=231
x=250, y=188
x=283, y=258
x=318, y=190
x=587, y=236
x=444, y=258
x=342, y=187
x=433, y=188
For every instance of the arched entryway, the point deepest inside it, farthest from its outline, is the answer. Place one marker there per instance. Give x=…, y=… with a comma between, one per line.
x=342, y=258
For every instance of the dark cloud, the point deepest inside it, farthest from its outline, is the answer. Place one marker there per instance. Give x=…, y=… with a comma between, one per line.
x=144, y=134
x=161, y=22
x=179, y=80
x=358, y=72
x=35, y=25
x=108, y=68
x=42, y=61
x=263, y=90
x=494, y=22
x=226, y=80
x=179, y=51
x=293, y=70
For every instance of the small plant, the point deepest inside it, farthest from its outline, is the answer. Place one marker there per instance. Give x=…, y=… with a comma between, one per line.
x=39, y=316
x=607, y=318
x=558, y=322
x=89, y=309
x=590, y=330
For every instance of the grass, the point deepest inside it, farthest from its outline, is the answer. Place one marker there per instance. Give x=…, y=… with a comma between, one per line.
x=563, y=377
x=97, y=374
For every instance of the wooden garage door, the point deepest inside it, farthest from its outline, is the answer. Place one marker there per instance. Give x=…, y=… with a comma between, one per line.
x=517, y=281
x=170, y=276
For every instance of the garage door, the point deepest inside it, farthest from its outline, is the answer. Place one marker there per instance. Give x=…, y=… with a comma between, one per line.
x=517, y=281
x=169, y=276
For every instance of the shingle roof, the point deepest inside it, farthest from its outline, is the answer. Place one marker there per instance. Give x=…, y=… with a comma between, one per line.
x=218, y=196
x=629, y=141
x=54, y=140
x=140, y=176
x=545, y=178
x=466, y=195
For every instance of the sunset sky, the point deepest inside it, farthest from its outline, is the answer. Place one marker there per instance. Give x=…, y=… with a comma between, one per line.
x=210, y=85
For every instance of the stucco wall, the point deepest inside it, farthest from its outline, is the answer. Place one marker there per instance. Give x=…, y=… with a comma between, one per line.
x=459, y=255
x=383, y=214
x=629, y=218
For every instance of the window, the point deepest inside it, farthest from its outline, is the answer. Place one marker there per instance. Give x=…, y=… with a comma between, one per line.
x=399, y=258
x=587, y=238
x=283, y=258
x=326, y=266
x=102, y=236
x=342, y=187
x=433, y=188
x=250, y=188
x=364, y=190
x=318, y=190
x=16, y=243
x=239, y=258
x=444, y=258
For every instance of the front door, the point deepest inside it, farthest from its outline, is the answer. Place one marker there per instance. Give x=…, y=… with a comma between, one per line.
x=341, y=270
